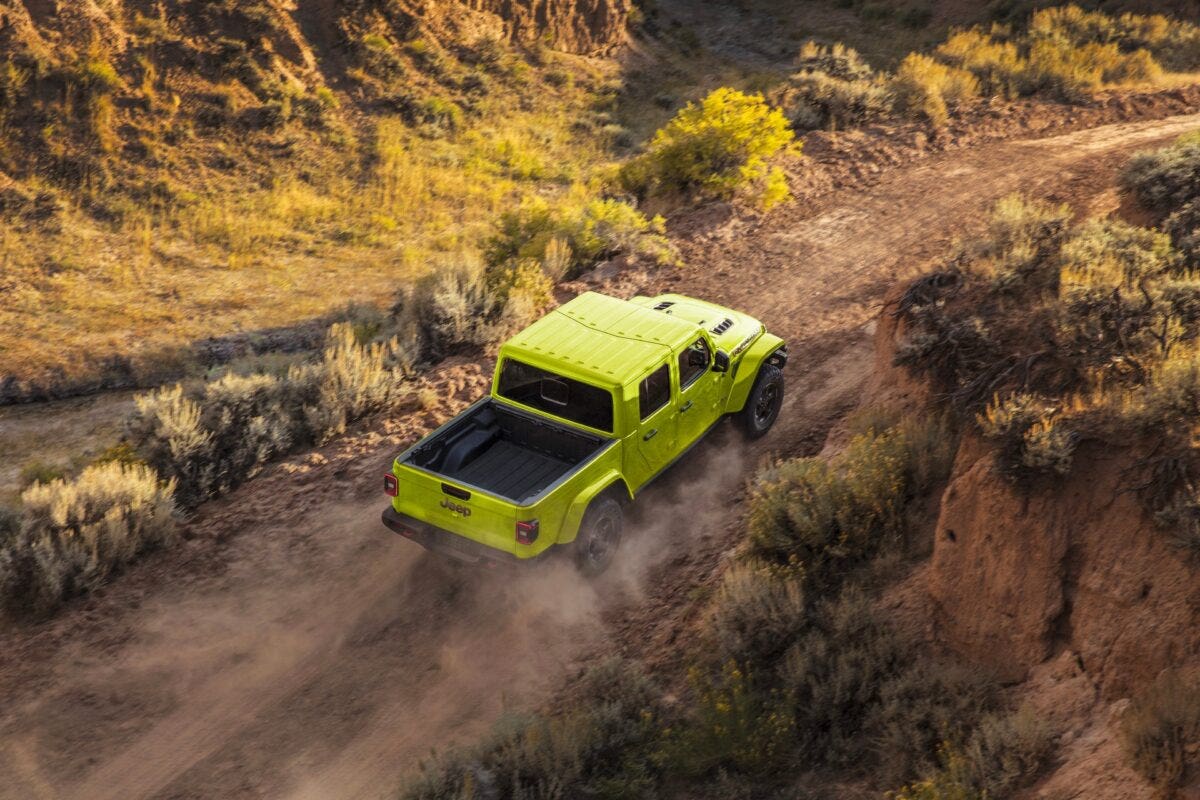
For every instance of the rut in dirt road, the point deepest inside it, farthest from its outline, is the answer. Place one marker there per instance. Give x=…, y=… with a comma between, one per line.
x=308, y=653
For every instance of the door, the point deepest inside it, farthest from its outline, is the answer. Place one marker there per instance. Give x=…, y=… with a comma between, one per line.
x=699, y=391
x=656, y=432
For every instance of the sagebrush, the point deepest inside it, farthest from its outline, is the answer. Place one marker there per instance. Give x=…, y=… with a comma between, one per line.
x=70, y=535
x=212, y=438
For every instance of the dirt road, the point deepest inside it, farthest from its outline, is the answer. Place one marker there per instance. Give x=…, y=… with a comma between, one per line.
x=293, y=649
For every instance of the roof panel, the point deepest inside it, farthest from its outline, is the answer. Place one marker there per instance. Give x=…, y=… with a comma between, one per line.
x=612, y=341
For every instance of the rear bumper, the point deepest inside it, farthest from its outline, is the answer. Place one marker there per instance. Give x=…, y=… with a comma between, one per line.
x=449, y=544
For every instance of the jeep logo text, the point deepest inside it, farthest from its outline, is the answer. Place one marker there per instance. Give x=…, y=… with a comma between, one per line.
x=456, y=508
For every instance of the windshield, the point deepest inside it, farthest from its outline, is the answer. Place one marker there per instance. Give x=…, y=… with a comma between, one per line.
x=554, y=394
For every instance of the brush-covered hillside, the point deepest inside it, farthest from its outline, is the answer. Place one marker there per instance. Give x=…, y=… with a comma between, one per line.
x=172, y=171
x=185, y=181
x=961, y=567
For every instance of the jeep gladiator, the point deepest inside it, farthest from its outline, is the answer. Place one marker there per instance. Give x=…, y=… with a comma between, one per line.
x=588, y=405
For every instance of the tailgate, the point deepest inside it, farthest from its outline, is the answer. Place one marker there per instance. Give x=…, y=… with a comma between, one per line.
x=481, y=517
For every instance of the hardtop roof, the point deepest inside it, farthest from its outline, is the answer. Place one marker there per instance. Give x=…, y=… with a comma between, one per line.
x=606, y=340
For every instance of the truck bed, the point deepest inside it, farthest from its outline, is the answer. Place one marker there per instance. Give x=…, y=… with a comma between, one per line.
x=505, y=452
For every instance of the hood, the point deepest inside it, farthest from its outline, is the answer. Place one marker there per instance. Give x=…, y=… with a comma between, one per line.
x=732, y=330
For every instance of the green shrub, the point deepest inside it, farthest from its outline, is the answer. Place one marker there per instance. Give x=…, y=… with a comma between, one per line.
x=1119, y=307
x=582, y=234
x=440, y=114
x=833, y=88
x=350, y=381
x=73, y=534
x=454, y=309
x=1023, y=237
x=814, y=100
x=1002, y=755
x=715, y=148
x=1183, y=226
x=1006, y=751
x=836, y=61
x=861, y=689
x=835, y=673
x=524, y=288
x=601, y=750
x=40, y=472
x=1161, y=729
x=931, y=89
x=932, y=444
x=167, y=433
x=1065, y=53
x=212, y=439
x=1030, y=436
x=1174, y=42
x=734, y=724
x=756, y=617
x=1181, y=297
x=951, y=782
x=997, y=64
x=923, y=704
x=1110, y=253
x=1166, y=179
x=820, y=518
x=1071, y=72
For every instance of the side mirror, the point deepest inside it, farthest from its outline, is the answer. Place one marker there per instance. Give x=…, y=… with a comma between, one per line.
x=721, y=362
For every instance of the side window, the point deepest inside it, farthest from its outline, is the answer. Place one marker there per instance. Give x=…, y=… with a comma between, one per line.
x=693, y=362
x=655, y=391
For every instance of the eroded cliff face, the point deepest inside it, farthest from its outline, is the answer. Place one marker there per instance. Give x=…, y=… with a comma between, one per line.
x=574, y=26
x=1067, y=590
x=1020, y=576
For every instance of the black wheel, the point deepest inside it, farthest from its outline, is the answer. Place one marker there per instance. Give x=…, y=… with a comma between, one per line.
x=764, y=402
x=598, y=537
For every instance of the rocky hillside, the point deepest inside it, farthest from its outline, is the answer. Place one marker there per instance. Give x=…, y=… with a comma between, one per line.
x=584, y=26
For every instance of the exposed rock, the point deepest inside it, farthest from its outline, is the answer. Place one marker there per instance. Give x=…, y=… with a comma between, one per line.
x=575, y=26
x=1017, y=577
x=892, y=386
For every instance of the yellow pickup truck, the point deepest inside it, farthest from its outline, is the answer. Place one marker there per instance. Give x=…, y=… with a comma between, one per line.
x=588, y=405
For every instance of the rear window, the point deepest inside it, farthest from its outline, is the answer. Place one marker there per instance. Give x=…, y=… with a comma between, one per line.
x=554, y=394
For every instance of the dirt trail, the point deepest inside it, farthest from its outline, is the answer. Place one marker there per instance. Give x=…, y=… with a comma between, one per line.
x=292, y=648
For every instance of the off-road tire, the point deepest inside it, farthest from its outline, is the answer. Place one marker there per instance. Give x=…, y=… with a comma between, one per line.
x=763, y=404
x=598, y=537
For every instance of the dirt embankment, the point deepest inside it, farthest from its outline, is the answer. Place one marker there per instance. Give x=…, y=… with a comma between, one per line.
x=1067, y=591
x=291, y=648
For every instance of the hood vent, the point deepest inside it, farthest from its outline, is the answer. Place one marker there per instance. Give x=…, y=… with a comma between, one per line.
x=722, y=326
x=664, y=305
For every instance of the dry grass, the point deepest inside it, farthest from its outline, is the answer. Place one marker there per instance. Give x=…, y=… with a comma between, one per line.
x=211, y=232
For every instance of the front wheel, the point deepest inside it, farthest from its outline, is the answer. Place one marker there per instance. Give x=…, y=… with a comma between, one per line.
x=763, y=404
x=598, y=537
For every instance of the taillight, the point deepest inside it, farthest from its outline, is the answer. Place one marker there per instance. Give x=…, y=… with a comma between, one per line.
x=527, y=532
x=391, y=485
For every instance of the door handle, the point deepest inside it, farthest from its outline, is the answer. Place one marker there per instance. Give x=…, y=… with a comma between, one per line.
x=650, y=434
x=685, y=406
